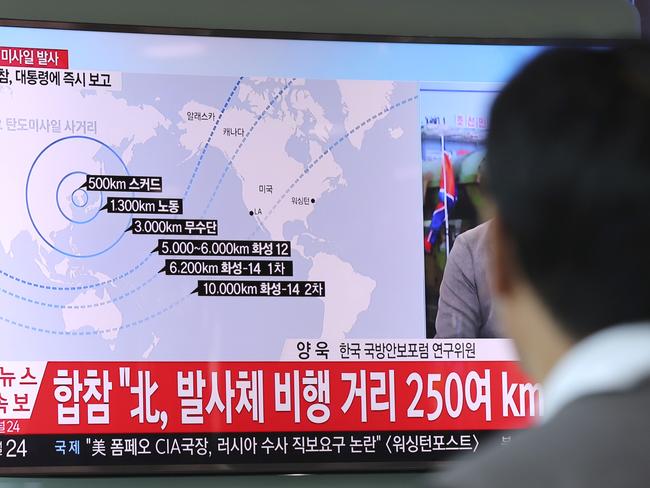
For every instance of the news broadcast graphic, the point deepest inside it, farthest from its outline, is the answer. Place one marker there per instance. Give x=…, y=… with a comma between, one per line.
x=212, y=254
x=81, y=413
x=454, y=121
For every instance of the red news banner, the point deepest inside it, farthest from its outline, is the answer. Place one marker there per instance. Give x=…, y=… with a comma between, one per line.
x=27, y=57
x=284, y=396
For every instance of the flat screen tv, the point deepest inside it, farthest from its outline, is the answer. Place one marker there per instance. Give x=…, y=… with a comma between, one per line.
x=223, y=251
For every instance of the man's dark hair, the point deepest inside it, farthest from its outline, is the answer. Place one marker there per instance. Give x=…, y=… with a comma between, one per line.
x=568, y=165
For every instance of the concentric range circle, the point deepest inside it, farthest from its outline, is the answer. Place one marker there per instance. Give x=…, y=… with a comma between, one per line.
x=67, y=217
x=76, y=204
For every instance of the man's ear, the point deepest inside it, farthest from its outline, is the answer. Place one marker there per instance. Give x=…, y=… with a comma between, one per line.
x=502, y=263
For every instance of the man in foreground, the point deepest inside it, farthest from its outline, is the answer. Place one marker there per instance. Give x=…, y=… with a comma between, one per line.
x=568, y=169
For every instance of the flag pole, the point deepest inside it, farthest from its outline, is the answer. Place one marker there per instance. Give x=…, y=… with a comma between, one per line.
x=443, y=180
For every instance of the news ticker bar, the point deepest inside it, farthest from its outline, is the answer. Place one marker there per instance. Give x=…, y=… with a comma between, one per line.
x=31, y=451
x=107, y=397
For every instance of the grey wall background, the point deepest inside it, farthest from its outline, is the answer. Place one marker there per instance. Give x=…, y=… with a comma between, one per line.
x=472, y=18
x=468, y=18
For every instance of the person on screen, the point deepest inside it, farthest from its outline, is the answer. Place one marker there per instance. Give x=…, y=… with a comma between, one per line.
x=465, y=308
x=465, y=304
x=568, y=166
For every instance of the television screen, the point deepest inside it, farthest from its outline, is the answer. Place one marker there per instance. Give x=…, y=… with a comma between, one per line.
x=247, y=251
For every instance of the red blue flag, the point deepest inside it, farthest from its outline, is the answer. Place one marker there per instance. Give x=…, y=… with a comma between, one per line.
x=447, y=193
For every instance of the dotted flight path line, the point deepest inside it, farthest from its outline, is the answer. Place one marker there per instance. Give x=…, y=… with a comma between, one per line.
x=79, y=307
x=141, y=263
x=317, y=160
x=171, y=306
x=95, y=332
x=207, y=142
x=243, y=141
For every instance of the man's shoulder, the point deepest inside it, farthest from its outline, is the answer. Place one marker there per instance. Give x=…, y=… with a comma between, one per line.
x=474, y=239
x=469, y=251
x=600, y=440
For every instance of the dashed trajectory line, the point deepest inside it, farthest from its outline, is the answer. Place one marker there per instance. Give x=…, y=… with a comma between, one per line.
x=179, y=301
x=315, y=161
x=243, y=141
x=141, y=263
x=79, y=307
x=207, y=142
x=172, y=305
x=95, y=332
x=80, y=287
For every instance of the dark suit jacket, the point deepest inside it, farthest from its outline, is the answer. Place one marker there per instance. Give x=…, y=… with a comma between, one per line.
x=602, y=440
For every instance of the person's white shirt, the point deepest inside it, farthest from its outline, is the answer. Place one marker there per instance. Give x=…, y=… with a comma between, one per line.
x=610, y=360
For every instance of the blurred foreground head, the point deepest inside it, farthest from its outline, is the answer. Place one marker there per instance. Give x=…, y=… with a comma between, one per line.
x=568, y=168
